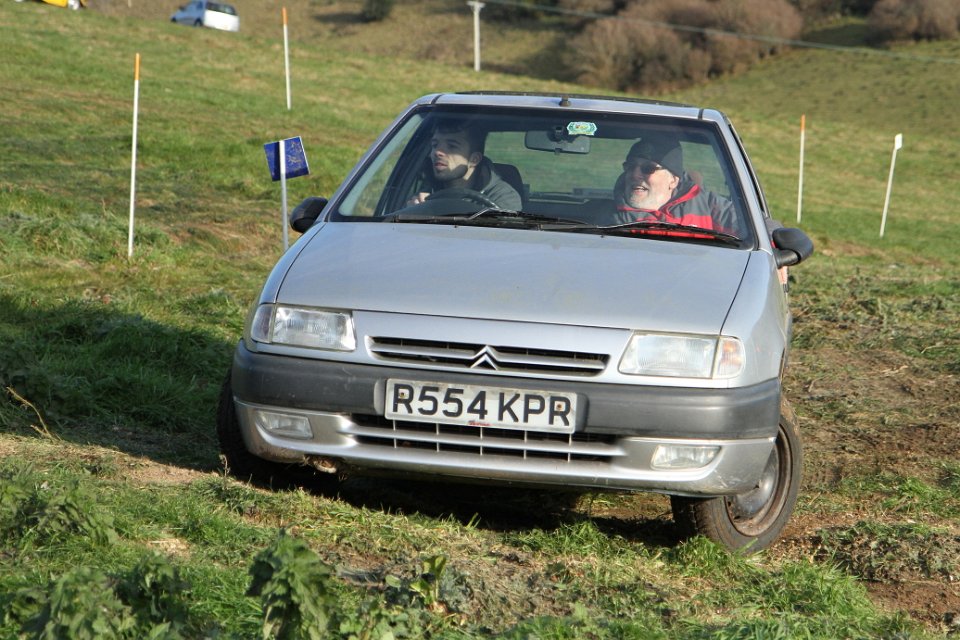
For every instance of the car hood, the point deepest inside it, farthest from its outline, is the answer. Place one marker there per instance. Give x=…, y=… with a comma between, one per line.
x=517, y=275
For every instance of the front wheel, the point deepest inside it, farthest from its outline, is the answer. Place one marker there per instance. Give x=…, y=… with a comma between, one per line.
x=752, y=520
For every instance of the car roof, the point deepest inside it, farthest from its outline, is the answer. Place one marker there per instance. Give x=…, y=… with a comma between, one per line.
x=571, y=101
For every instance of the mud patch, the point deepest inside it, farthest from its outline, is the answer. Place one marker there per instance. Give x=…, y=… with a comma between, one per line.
x=906, y=567
x=892, y=553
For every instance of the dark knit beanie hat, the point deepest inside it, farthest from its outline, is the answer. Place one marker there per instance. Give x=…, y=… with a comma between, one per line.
x=662, y=149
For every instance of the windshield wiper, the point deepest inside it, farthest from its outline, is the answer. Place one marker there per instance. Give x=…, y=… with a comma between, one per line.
x=529, y=218
x=486, y=217
x=672, y=229
x=508, y=217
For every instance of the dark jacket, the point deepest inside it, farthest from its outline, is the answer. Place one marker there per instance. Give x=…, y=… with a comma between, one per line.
x=487, y=182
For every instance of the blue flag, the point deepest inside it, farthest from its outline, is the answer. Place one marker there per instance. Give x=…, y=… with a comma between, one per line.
x=295, y=156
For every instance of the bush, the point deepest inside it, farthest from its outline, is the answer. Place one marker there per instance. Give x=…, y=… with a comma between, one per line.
x=813, y=10
x=375, y=10
x=913, y=20
x=514, y=13
x=592, y=6
x=629, y=52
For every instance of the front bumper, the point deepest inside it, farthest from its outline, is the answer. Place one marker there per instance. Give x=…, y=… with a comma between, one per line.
x=613, y=446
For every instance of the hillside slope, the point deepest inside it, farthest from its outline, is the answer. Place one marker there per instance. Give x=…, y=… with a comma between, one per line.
x=117, y=362
x=421, y=30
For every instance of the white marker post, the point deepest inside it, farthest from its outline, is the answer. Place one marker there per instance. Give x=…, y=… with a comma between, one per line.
x=476, y=6
x=286, y=159
x=133, y=153
x=897, y=143
x=286, y=56
x=803, y=122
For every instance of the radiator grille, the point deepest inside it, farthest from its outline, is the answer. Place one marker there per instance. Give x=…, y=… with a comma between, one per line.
x=462, y=355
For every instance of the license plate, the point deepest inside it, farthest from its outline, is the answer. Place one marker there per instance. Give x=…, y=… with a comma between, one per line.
x=480, y=406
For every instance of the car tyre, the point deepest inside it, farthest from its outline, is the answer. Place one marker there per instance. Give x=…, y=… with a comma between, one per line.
x=750, y=521
x=198, y=23
x=245, y=466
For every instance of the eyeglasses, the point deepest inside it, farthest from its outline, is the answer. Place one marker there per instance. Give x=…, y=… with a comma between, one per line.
x=646, y=167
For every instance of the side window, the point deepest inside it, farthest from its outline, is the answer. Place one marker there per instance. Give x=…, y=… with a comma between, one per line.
x=385, y=185
x=701, y=163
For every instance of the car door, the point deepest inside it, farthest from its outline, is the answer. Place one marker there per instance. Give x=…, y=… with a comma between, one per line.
x=193, y=14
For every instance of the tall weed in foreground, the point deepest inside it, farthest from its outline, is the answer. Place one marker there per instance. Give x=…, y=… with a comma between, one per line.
x=148, y=602
x=302, y=600
x=293, y=587
x=81, y=605
x=36, y=511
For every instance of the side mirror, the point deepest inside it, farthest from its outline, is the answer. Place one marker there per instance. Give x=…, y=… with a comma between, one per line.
x=791, y=246
x=306, y=213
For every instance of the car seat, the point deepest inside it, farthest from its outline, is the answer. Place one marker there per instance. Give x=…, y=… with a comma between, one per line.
x=511, y=175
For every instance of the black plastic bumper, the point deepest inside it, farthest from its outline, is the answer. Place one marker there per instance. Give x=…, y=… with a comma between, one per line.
x=623, y=410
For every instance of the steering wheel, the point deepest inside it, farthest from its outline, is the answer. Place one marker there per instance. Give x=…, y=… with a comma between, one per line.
x=462, y=193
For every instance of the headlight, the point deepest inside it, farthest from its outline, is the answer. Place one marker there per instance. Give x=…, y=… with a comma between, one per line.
x=682, y=356
x=297, y=327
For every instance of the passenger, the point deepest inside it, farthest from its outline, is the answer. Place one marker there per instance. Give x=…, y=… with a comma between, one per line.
x=457, y=161
x=654, y=186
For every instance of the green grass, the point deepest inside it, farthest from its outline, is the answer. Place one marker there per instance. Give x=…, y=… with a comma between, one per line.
x=114, y=364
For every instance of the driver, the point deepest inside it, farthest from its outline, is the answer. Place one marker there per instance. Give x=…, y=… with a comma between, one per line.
x=457, y=161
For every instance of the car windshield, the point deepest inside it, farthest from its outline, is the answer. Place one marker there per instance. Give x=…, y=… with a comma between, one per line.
x=579, y=172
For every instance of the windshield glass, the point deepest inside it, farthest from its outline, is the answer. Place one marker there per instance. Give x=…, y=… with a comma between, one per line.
x=588, y=170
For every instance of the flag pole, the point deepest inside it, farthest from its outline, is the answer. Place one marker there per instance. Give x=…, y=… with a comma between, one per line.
x=283, y=191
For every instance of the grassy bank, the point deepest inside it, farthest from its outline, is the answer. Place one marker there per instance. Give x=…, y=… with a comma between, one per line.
x=111, y=366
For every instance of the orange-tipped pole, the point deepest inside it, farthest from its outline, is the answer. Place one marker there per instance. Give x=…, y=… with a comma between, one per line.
x=286, y=55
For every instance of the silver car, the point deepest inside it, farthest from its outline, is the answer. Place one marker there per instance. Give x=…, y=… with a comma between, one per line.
x=544, y=290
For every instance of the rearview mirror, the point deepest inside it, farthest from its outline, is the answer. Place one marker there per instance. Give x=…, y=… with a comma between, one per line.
x=791, y=246
x=306, y=213
x=558, y=141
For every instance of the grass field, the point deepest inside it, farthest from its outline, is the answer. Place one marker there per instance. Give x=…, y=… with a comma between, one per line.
x=111, y=366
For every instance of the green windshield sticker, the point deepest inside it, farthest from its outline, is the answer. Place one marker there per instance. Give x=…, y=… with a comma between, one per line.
x=581, y=128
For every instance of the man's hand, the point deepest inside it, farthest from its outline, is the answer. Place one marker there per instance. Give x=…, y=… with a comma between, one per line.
x=417, y=198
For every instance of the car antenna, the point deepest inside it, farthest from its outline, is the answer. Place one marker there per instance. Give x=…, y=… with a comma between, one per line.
x=564, y=101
